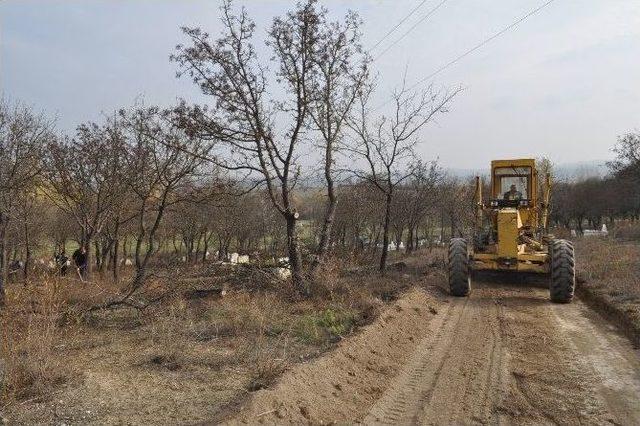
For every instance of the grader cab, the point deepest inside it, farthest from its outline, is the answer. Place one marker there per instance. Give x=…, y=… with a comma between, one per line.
x=511, y=233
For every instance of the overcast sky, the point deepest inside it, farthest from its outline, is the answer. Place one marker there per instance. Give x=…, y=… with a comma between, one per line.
x=563, y=84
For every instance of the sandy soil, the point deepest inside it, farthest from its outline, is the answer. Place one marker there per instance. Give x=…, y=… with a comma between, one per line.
x=504, y=355
x=339, y=386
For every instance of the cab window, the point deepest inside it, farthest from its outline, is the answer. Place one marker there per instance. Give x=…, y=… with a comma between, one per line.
x=508, y=176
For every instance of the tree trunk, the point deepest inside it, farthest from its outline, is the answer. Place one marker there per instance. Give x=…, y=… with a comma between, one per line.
x=116, y=245
x=453, y=226
x=125, y=254
x=141, y=261
x=4, y=270
x=105, y=249
x=89, y=253
x=188, y=244
x=98, y=255
x=385, y=234
x=294, y=255
x=409, y=247
x=220, y=248
x=138, y=280
x=376, y=240
x=327, y=225
x=150, y=236
x=398, y=241
x=27, y=246
x=197, y=255
x=205, y=250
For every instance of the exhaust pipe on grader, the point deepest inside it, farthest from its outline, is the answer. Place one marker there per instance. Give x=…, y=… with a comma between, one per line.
x=511, y=233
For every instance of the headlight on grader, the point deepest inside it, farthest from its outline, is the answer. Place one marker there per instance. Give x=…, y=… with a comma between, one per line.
x=524, y=203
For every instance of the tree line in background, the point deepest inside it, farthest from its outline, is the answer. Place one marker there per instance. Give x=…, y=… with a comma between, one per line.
x=191, y=183
x=596, y=200
x=137, y=191
x=228, y=173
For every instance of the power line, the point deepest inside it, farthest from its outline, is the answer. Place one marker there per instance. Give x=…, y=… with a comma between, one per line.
x=474, y=48
x=392, y=30
x=431, y=12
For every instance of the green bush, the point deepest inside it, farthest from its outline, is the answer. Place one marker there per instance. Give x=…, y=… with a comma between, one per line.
x=325, y=326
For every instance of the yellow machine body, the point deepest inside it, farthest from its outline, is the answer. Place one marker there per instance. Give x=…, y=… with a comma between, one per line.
x=508, y=225
x=510, y=231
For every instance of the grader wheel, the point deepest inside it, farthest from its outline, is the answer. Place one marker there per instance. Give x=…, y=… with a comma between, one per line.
x=458, y=268
x=563, y=271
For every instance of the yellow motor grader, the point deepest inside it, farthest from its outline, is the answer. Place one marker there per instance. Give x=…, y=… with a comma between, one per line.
x=511, y=233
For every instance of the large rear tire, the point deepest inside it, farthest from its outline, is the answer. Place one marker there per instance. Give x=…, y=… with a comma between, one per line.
x=458, y=268
x=563, y=271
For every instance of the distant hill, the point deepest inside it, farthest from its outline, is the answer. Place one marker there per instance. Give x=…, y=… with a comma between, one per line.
x=578, y=170
x=582, y=170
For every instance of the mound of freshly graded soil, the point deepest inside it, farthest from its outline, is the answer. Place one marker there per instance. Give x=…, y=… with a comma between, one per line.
x=345, y=383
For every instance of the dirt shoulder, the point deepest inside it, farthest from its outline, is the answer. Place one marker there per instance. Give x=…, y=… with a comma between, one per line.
x=343, y=385
x=609, y=281
x=625, y=313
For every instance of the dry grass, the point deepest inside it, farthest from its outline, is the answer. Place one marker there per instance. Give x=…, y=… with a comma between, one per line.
x=39, y=319
x=31, y=362
x=213, y=348
x=266, y=359
x=611, y=265
x=627, y=231
x=609, y=278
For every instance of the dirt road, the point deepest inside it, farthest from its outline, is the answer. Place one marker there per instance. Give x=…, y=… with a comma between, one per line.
x=505, y=355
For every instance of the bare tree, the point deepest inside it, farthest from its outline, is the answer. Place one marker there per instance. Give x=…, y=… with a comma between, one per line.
x=358, y=216
x=23, y=135
x=245, y=122
x=456, y=197
x=86, y=177
x=339, y=72
x=162, y=162
x=423, y=197
x=386, y=145
x=196, y=220
x=627, y=161
x=30, y=214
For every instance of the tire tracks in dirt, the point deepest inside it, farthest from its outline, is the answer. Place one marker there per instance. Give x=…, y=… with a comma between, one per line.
x=456, y=372
x=606, y=354
x=504, y=355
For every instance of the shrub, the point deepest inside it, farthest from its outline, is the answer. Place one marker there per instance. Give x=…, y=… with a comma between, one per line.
x=264, y=372
x=325, y=326
x=627, y=231
x=31, y=367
